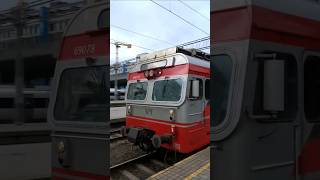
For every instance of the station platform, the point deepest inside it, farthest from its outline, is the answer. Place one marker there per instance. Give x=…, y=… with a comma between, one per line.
x=195, y=167
x=117, y=113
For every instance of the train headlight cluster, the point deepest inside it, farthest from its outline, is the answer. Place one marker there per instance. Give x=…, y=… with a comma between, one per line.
x=129, y=110
x=171, y=113
x=61, y=152
x=152, y=73
x=61, y=147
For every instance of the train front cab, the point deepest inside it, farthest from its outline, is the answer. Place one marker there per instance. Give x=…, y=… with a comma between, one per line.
x=265, y=92
x=79, y=104
x=162, y=111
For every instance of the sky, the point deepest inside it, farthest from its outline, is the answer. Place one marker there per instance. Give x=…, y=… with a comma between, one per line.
x=165, y=29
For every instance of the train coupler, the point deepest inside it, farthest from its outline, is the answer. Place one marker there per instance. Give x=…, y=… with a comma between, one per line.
x=141, y=137
x=163, y=139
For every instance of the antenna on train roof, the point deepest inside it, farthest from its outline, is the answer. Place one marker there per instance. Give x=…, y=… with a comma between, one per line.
x=194, y=52
x=189, y=52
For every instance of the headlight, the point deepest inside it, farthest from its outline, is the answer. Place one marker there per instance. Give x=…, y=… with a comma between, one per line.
x=61, y=147
x=171, y=113
x=151, y=73
x=146, y=74
x=129, y=109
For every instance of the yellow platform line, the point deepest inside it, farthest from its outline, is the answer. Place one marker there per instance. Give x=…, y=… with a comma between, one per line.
x=200, y=170
x=171, y=167
x=174, y=166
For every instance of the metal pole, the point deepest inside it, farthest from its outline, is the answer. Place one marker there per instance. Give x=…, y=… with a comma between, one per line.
x=117, y=66
x=116, y=72
x=19, y=68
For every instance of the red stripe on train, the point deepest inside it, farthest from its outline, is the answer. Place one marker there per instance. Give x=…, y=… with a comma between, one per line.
x=68, y=172
x=176, y=70
x=90, y=44
x=253, y=22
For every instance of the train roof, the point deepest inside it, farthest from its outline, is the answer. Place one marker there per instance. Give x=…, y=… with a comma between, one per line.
x=147, y=57
x=303, y=8
x=290, y=22
x=171, y=57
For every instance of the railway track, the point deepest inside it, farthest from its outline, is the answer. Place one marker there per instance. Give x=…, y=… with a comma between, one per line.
x=142, y=165
x=138, y=168
x=116, y=135
x=130, y=162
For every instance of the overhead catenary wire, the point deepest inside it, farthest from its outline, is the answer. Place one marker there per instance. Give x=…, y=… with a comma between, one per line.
x=140, y=34
x=201, y=47
x=186, y=21
x=194, y=10
x=114, y=40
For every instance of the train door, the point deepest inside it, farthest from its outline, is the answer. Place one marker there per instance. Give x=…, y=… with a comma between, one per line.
x=309, y=159
x=78, y=109
x=196, y=108
x=274, y=111
x=196, y=103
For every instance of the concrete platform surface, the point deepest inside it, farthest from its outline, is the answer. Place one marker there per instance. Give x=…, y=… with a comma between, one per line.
x=195, y=167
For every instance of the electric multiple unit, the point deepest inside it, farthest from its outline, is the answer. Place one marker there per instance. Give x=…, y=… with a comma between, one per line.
x=265, y=89
x=168, y=101
x=78, y=109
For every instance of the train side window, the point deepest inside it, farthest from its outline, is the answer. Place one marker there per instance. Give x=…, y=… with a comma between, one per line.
x=200, y=89
x=207, y=89
x=222, y=66
x=312, y=89
x=290, y=87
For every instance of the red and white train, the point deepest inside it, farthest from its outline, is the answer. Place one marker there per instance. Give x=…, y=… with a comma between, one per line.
x=265, y=89
x=168, y=101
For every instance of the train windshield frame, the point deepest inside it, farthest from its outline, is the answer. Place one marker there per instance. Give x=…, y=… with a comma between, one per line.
x=161, y=93
x=86, y=100
x=221, y=89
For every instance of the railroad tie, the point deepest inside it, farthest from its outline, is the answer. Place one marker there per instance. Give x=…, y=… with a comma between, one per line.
x=129, y=175
x=159, y=163
x=145, y=169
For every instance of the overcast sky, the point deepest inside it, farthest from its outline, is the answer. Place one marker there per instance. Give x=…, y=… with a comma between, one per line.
x=147, y=18
x=163, y=29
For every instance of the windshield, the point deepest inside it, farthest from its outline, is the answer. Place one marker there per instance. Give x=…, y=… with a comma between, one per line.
x=83, y=95
x=167, y=90
x=137, y=91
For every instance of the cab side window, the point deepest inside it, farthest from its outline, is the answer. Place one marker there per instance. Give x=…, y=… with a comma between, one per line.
x=290, y=87
x=312, y=89
x=200, y=88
